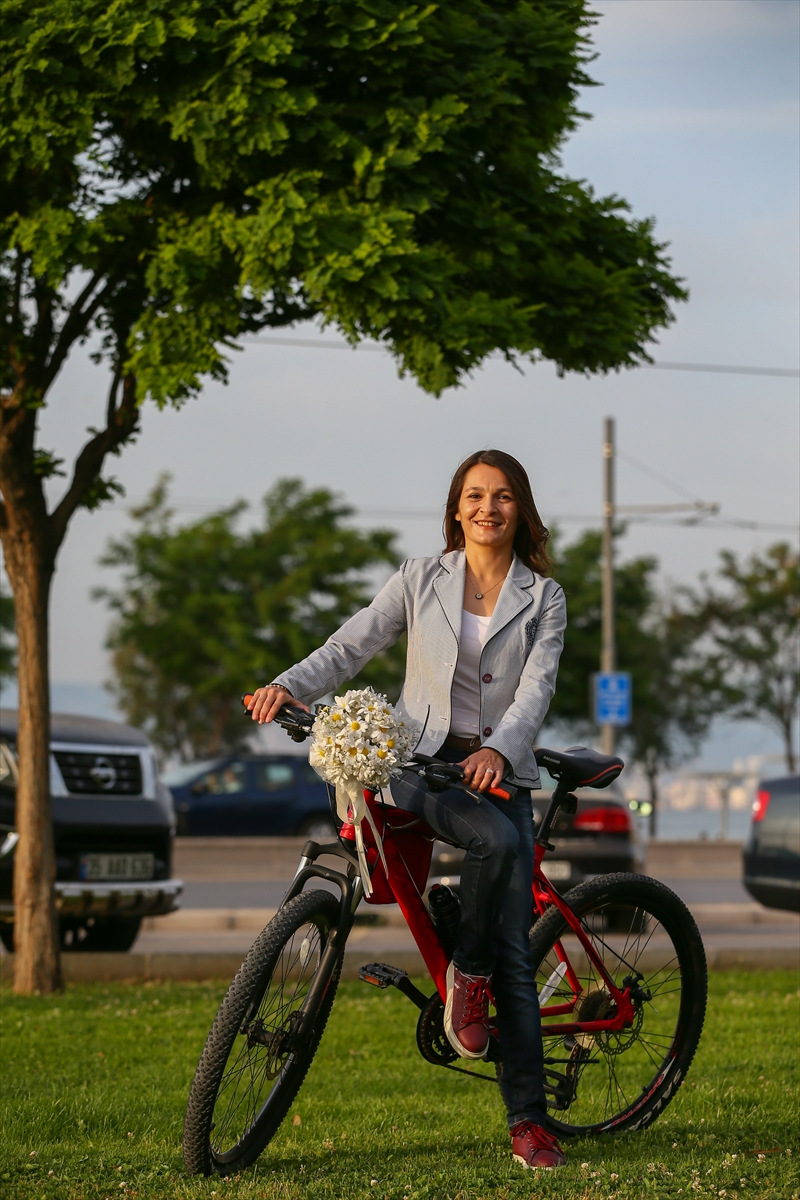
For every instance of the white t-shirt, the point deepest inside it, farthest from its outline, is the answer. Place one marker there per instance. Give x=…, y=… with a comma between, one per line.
x=466, y=691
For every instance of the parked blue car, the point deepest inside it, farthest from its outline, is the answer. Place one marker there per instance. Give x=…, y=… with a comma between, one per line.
x=250, y=796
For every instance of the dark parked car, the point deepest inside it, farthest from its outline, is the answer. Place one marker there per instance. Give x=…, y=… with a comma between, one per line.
x=113, y=827
x=249, y=796
x=772, y=851
x=602, y=836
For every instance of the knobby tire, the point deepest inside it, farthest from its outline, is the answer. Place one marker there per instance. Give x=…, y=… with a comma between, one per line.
x=233, y=1112
x=624, y=1079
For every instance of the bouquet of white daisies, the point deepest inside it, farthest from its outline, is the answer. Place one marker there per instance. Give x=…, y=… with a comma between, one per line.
x=359, y=742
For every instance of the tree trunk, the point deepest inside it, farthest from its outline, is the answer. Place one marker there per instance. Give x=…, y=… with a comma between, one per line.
x=651, y=770
x=220, y=720
x=37, y=964
x=788, y=747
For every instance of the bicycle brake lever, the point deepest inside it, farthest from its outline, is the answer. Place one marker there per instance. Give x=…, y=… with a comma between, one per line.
x=295, y=721
x=444, y=775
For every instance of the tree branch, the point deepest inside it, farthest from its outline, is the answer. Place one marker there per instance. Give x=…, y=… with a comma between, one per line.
x=89, y=463
x=111, y=406
x=75, y=325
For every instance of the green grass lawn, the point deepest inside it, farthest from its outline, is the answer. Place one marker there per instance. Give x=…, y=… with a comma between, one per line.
x=94, y=1085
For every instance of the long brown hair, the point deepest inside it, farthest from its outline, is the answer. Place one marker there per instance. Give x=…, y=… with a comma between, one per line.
x=530, y=540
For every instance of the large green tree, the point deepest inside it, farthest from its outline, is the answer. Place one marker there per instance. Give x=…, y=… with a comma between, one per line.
x=175, y=175
x=748, y=640
x=673, y=705
x=205, y=610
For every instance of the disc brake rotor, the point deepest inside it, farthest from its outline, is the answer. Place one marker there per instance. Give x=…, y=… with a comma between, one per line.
x=598, y=1005
x=279, y=1043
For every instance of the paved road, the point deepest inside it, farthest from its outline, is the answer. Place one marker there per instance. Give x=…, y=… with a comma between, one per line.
x=268, y=893
x=255, y=872
x=232, y=887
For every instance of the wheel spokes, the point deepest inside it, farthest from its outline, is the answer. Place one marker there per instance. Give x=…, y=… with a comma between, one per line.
x=640, y=949
x=266, y=1039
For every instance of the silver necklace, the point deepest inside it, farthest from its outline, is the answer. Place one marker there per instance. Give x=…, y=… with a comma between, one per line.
x=480, y=595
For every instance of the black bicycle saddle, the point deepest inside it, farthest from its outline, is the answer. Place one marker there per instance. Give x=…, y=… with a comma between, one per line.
x=578, y=766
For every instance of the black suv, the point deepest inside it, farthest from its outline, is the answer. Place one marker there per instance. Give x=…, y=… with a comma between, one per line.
x=772, y=852
x=113, y=826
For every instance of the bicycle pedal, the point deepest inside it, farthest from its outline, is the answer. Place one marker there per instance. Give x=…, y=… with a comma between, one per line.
x=382, y=975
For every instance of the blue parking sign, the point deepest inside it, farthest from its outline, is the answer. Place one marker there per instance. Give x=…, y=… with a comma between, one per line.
x=613, y=698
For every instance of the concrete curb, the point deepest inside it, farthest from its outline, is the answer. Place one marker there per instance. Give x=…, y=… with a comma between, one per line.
x=136, y=968
x=202, y=920
x=98, y=968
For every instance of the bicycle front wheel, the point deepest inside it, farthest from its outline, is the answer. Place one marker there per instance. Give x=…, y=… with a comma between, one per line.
x=256, y=1057
x=648, y=941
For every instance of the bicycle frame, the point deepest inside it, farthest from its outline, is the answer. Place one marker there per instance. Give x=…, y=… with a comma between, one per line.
x=543, y=894
x=408, y=896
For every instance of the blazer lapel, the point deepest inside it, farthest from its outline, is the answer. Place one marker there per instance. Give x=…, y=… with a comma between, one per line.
x=515, y=595
x=449, y=588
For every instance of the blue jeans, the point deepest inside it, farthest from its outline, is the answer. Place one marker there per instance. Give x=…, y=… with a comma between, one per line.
x=496, y=881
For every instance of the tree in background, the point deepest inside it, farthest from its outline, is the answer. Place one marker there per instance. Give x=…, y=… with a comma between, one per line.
x=748, y=654
x=672, y=706
x=205, y=612
x=175, y=175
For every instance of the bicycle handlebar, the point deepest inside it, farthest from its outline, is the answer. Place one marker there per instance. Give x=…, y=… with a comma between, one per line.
x=295, y=721
x=440, y=775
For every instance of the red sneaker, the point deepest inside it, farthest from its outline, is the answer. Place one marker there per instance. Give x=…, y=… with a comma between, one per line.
x=533, y=1146
x=466, y=1014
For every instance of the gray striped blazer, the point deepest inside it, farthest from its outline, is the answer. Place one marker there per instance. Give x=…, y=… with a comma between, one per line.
x=425, y=597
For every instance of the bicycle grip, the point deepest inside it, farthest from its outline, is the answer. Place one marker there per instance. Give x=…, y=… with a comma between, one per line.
x=246, y=698
x=499, y=793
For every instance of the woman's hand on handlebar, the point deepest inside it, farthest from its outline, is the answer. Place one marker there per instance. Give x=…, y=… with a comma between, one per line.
x=268, y=701
x=483, y=769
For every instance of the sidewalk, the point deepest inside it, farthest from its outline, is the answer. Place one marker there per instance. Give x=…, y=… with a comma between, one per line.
x=199, y=944
x=746, y=935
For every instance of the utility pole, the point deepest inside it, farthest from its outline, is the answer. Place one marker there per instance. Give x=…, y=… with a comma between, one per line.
x=613, y=699
x=608, y=651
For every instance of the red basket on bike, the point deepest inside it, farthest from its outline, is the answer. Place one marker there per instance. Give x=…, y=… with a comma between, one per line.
x=412, y=838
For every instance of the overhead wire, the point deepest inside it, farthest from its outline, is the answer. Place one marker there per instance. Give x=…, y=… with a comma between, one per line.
x=199, y=506
x=380, y=348
x=677, y=488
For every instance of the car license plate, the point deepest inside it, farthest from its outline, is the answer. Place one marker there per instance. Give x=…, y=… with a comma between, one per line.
x=110, y=867
x=557, y=869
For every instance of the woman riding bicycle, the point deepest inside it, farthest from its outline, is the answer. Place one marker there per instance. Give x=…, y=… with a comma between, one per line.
x=485, y=632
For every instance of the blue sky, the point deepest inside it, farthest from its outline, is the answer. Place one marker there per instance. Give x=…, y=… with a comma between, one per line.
x=696, y=123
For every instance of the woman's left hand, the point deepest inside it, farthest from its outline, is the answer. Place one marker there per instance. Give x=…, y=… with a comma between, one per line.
x=483, y=769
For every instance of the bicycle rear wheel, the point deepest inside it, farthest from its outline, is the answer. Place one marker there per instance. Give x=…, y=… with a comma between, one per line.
x=254, y=1059
x=647, y=940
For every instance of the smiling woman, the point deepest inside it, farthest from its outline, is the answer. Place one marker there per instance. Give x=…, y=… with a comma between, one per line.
x=530, y=536
x=485, y=631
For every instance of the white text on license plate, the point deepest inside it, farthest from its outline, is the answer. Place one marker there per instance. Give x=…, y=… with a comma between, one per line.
x=556, y=869
x=117, y=866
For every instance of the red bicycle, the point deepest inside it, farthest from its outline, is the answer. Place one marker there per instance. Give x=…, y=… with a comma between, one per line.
x=619, y=965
